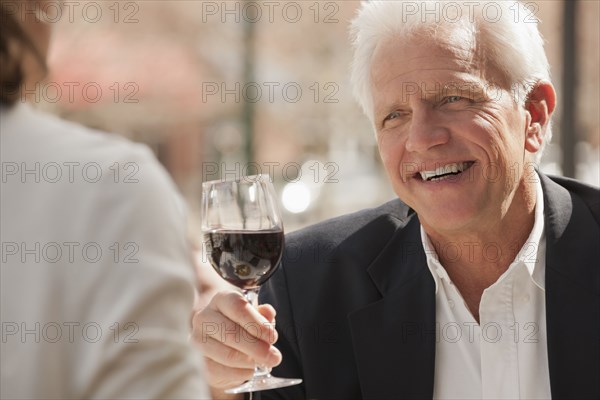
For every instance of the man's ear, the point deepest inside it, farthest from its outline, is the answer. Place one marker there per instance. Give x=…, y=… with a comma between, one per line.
x=540, y=105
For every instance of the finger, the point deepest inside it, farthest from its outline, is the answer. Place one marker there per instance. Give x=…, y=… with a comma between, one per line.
x=220, y=376
x=211, y=324
x=225, y=355
x=235, y=307
x=267, y=311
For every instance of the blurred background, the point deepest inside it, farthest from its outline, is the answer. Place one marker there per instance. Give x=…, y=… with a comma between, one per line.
x=224, y=88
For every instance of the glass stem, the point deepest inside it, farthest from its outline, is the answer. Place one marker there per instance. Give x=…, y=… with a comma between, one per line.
x=252, y=296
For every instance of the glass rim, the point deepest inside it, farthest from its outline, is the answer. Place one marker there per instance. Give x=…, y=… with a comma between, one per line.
x=245, y=178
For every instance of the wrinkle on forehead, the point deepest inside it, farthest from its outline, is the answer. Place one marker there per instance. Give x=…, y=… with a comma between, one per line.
x=454, y=48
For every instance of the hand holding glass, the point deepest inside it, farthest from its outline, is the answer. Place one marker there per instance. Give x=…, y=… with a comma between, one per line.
x=243, y=232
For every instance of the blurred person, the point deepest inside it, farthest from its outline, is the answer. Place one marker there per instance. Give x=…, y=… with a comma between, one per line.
x=482, y=279
x=97, y=282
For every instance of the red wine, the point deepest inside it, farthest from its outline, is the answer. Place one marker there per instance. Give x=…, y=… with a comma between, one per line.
x=245, y=259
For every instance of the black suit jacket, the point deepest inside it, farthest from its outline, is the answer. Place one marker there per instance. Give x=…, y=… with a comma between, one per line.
x=355, y=302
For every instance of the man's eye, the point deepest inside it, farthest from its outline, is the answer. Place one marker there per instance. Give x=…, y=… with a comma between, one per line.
x=394, y=115
x=452, y=99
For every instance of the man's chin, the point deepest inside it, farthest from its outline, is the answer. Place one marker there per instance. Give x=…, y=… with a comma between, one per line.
x=447, y=219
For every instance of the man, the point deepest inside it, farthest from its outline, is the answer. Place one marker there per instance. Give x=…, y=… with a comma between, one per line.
x=482, y=280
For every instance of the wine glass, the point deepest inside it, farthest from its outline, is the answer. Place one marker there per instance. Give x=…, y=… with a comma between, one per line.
x=243, y=234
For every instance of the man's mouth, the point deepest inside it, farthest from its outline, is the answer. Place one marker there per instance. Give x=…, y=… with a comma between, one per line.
x=445, y=171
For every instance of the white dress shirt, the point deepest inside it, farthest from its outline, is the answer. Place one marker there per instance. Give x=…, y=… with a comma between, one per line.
x=505, y=356
x=96, y=278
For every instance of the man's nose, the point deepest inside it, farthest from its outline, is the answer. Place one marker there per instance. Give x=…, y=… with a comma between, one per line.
x=425, y=131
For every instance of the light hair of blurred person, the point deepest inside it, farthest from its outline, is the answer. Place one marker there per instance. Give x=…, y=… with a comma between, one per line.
x=109, y=323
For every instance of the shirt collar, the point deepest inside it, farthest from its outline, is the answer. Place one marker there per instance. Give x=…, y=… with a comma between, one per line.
x=532, y=254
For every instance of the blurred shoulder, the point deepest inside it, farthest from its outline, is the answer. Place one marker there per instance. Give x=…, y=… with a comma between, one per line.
x=97, y=176
x=37, y=141
x=31, y=134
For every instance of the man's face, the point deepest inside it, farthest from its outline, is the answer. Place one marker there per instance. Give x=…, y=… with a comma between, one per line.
x=452, y=143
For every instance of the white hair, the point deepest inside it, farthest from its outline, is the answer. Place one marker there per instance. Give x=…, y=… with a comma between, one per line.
x=504, y=33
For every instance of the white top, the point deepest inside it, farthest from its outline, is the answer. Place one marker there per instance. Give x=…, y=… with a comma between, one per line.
x=96, y=278
x=506, y=355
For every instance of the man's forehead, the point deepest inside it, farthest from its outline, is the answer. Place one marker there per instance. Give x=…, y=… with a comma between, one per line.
x=396, y=57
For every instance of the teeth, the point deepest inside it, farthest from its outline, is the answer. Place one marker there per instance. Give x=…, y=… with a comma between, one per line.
x=446, y=169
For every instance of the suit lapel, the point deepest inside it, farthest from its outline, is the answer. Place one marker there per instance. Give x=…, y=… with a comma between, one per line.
x=394, y=338
x=572, y=305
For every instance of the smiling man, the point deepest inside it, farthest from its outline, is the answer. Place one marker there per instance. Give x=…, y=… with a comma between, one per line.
x=482, y=280
x=441, y=143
